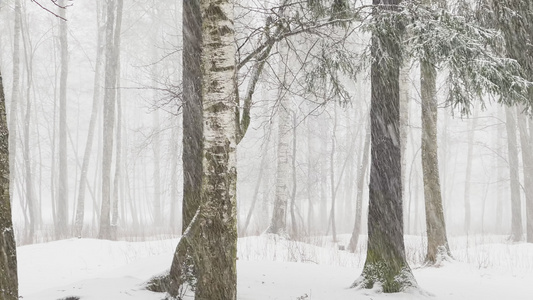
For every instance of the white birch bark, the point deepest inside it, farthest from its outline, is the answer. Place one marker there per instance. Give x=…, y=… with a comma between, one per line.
x=217, y=274
x=278, y=222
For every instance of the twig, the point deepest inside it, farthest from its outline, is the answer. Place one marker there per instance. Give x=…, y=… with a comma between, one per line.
x=51, y=12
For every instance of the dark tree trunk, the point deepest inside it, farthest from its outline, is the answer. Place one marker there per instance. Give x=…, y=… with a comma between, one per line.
x=192, y=110
x=212, y=233
x=182, y=265
x=385, y=261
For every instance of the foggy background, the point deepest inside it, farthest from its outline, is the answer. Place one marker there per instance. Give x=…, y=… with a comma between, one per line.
x=329, y=135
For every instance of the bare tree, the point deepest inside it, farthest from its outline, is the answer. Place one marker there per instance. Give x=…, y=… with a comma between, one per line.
x=83, y=183
x=62, y=192
x=109, y=119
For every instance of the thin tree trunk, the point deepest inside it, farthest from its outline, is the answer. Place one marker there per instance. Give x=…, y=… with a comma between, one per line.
x=469, y=172
x=118, y=152
x=499, y=163
x=361, y=174
x=516, y=203
x=15, y=95
x=278, y=223
x=174, y=150
x=262, y=167
x=26, y=153
x=311, y=180
x=404, y=129
x=332, y=175
x=62, y=192
x=294, y=224
x=435, y=223
x=80, y=208
x=157, y=172
x=109, y=123
x=527, y=160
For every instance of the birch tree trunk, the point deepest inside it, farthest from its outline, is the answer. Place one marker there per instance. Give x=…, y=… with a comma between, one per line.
x=516, y=203
x=294, y=222
x=109, y=123
x=435, y=223
x=278, y=223
x=62, y=193
x=217, y=251
x=8, y=249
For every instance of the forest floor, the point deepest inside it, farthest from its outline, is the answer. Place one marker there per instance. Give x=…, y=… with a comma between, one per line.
x=484, y=267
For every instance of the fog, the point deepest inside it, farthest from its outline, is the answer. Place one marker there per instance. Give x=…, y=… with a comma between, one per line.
x=327, y=131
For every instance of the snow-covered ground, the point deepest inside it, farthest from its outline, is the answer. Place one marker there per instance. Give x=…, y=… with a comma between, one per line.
x=486, y=268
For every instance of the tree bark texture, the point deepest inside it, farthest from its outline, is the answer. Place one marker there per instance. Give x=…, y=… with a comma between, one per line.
x=8, y=249
x=15, y=95
x=385, y=262
x=183, y=267
x=217, y=253
x=516, y=203
x=435, y=223
x=192, y=110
